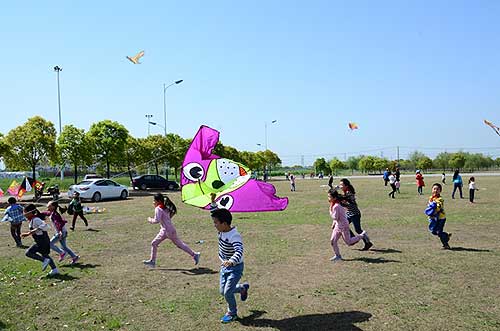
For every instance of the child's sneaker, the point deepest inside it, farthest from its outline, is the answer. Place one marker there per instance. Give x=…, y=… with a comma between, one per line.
x=336, y=258
x=196, y=258
x=54, y=272
x=45, y=264
x=61, y=256
x=367, y=246
x=75, y=259
x=149, y=263
x=244, y=291
x=228, y=318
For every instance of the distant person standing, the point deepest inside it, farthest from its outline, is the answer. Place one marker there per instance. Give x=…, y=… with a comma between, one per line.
x=472, y=189
x=386, y=176
x=457, y=184
x=397, y=174
x=420, y=182
x=292, y=182
x=443, y=178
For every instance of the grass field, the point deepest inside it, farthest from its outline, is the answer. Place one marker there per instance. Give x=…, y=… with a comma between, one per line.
x=406, y=282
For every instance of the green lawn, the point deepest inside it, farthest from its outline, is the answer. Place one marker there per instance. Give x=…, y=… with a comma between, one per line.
x=406, y=282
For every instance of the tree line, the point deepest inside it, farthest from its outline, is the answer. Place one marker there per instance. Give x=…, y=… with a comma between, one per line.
x=443, y=161
x=108, y=146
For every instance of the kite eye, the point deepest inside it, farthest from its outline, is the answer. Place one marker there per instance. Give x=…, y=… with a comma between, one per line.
x=193, y=171
x=225, y=201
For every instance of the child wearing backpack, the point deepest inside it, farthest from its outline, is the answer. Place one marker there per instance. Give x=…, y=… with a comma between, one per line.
x=75, y=208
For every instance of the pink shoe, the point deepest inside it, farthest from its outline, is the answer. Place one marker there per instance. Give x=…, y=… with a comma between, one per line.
x=61, y=256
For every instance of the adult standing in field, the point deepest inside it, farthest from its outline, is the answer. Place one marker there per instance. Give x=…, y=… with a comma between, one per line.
x=420, y=182
x=392, y=182
x=348, y=201
x=397, y=174
x=457, y=184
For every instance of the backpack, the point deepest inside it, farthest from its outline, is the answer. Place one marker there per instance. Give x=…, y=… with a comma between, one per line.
x=71, y=209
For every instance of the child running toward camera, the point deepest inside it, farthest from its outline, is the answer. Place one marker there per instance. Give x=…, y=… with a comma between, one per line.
x=164, y=211
x=437, y=216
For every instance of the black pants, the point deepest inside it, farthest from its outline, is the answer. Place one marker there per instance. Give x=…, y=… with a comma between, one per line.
x=455, y=186
x=75, y=215
x=40, y=250
x=471, y=195
x=356, y=221
x=15, y=231
x=391, y=194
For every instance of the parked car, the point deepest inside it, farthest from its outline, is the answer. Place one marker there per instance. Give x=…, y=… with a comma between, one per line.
x=91, y=176
x=98, y=189
x=153, y=181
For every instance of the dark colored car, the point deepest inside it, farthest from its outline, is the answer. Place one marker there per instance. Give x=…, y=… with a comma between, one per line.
x=153, y=181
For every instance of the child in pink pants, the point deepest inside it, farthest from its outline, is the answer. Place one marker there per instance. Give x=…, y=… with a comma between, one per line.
x=340, y=226
x=164, y=211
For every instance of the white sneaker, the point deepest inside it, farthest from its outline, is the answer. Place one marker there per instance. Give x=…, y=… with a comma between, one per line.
x=196, y=258
x=54, y=272
x=365, y=235
x=45, y=264
x=336, y=258
x=149, y=263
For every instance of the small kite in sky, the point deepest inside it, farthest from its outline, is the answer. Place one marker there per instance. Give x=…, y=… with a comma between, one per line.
x=353, y=126
x=493, y=126
x=204, y=173
x=135, y=59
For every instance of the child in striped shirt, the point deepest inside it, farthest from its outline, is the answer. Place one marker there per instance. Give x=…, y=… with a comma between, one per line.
x=231, y=256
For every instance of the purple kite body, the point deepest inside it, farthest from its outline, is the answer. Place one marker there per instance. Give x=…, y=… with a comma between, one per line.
x=204, y=173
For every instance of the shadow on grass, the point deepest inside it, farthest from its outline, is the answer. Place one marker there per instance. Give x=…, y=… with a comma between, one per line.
x=192, y=272
x=385, y=250
x=64, y=277
x=332, y=321
x=3, y=326
x=465, y=249
x=81, y=266
x=93, y=230
x=373, y=260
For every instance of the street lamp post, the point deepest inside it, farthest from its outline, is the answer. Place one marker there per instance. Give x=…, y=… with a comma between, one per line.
x=265, y=130
x=58, y=69
x=165, y=87
x=148, y=116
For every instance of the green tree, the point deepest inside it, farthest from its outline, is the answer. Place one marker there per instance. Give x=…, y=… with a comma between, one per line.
x=109, y=139
x=442, y=161
x=179, y=147
x=74, y=147
x=335, y=165
x=414, y=158
x=31, y=143
x=320, y=165
x=4, y=148
x=457, y=160
x=424, y=163
x=367, y=163
x=380, y=164
x=353, y=162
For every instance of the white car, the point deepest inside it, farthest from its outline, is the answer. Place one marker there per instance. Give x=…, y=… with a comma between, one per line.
x=98, y=189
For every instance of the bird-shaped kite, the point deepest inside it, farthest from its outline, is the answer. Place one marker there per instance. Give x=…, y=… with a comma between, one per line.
x=135, y=59
x=204, y=173
x=353, y=126
x=493, y=126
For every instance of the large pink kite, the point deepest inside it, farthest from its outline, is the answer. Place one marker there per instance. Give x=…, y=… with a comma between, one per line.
x=204, y=173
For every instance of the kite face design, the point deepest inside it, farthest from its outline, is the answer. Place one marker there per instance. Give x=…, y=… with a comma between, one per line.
x=204, y=173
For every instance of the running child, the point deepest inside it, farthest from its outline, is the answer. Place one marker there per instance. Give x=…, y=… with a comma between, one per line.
x=164, y=211
x=75, y=208
x=437, y=216
x=419, y=178
x=472, y=189
x=40, y=250
x=231, y=257
x=340, y=225
x=61, y=233
x=14, y=215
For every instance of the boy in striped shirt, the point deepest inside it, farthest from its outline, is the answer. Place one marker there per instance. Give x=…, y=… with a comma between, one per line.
x=231, y=256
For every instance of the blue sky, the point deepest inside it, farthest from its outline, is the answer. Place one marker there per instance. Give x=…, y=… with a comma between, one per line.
x=420, y=75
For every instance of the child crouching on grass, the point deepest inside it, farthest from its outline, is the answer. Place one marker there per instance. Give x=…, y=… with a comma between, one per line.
x=340, y=225
x=437, y=216
x=231, y=256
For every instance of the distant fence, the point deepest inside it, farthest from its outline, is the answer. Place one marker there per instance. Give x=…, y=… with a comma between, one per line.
x=16, y=174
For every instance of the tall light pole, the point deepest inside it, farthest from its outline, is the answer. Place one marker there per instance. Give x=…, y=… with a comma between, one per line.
x=165, y=87
x=265, y=130
x=148, y=116
x=58, y=69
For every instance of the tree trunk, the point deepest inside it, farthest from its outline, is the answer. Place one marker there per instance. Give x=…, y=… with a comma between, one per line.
x=33, y=167
x=107, y=169
x=129, y=172
x=76, y=173
x=156, y=167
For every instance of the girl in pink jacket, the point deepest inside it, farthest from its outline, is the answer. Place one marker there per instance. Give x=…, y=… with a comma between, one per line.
x=164, y=211
x=340, y=225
